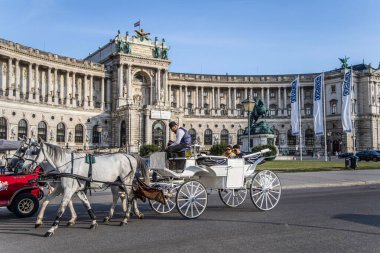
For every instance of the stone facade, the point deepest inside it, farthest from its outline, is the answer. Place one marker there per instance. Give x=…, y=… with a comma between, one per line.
x=124, y=95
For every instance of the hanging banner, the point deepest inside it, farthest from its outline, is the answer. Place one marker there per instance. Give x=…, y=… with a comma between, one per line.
x=295, y=107
x=318, y=106
x=346, y=102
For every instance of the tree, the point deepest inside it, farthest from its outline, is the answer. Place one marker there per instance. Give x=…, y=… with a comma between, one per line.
x=148, y=149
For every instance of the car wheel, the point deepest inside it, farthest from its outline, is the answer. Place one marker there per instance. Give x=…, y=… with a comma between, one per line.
x=25, y=205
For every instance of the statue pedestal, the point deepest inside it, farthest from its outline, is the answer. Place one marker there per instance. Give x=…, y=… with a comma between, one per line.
x=258, y=140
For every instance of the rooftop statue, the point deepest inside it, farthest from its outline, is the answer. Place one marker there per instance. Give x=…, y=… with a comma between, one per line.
x=142, y=35
x=344, y=62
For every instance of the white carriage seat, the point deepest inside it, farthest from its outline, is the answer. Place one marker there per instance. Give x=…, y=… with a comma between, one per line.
x=212, y=160
x=157, y=161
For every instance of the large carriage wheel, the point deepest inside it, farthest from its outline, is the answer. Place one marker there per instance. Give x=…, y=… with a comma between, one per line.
x=191, y=199
x=233, y=197
x=265, y=190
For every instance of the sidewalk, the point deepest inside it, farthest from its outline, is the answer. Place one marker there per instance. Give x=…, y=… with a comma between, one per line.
x=329, y=179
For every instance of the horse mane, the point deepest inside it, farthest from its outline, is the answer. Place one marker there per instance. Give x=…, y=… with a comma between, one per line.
x=56, y=153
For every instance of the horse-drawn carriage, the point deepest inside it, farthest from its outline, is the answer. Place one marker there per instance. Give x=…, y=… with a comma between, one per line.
x=187, y=189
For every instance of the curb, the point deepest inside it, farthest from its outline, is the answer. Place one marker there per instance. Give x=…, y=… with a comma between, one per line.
x=338, y=184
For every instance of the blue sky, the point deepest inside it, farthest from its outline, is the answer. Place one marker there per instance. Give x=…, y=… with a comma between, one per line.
x=216, y=37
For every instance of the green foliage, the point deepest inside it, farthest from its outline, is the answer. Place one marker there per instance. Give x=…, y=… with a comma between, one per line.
x=148, y=149
x=273, y=149
x=218, y=149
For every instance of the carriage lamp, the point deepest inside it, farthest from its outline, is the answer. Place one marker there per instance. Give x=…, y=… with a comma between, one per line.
x=249, y=105
x=99, y=129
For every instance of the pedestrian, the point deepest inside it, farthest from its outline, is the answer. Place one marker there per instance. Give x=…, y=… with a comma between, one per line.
x=3, y=164
x=318, y=155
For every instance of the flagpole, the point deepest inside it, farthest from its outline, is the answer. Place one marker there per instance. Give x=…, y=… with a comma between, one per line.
x=299, y=113
x=353, y=115
x=324, y=113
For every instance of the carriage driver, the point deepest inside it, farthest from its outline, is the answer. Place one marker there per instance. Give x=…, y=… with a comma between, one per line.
x=182, y=141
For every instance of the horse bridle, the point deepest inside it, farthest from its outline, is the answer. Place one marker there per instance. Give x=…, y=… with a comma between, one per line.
x=34, y=161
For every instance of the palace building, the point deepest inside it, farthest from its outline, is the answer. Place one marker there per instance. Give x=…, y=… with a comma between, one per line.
x=123, y=95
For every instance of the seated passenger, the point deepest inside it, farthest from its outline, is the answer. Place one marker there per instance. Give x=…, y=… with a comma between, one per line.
x=237, y=151
x=229, y=153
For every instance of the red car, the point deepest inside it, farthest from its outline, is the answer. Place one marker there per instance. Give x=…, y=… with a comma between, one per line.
x=20, y=193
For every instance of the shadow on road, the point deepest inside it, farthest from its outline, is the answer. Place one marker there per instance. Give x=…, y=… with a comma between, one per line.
x=366, y=219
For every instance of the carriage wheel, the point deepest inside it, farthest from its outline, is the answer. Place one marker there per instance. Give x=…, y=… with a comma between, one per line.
x=161, y=208
x=233, y=197
x=265, y=190
x=191, y=199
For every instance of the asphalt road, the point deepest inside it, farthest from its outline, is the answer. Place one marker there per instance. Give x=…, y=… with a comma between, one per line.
x=317, y=220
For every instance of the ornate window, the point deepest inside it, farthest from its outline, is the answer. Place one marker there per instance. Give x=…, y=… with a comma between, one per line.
x=240, y=133
x=193, y=135
x=61, y=132
x=333, y=89
x=123, y=134
x=207, y=109
x=292, y=140
x=224, y=136
x=309, y=137
x=159, y=134
x=42, y=130
x=289, y=108
x=273, y=110
x=255, y=94
x=272, y=94
x=95, y=135
x=22, y=129
x=78, y=133
x=308, y=109
x=3, y=128
x=208, y=137
x=333, y=105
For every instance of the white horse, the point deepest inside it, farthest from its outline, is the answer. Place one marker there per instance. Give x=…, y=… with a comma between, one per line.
x=108, y=169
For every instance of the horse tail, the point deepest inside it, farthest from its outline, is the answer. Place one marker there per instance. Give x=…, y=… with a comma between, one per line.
x=143, y=168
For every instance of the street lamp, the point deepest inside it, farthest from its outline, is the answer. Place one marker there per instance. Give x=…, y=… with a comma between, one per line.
x=328, y=148
x=249, y=105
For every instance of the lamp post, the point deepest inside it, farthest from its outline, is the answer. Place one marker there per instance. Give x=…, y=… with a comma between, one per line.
x=249, y=105
x=99, y=129
x=329, y=145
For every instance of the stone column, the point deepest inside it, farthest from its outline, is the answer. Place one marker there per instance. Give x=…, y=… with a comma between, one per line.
x=61, y=93
x=246, y=93
x=91, y=96
x=158, y=86
x=170, y=95
x=17, y=79
x=129, y=84
x=262, y=96
x=213, y=98
x=108, y=102
x=37, y=85
x=56, y=89
x=185, y=101
x=102, y=94
x=202, y=96
x=2, y=87
x=166, y=86
x=30, y=85
x=24, y=83
x=251, y=92
x=43, y=89
x=49, y=85
x=196, y=97
x=229, y=99
x=151, y=93
x=85, y=95
x=285, y=103
x=268, y=99
x=9, y=81
x=234, y=97
x=74, y=91
x=302, y=101
x=120, y=85
x=180, y=97
x=218, y=99
x=279, y=107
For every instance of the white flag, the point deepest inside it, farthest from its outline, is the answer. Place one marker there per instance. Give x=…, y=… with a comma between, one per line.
x=295, y=107
x=318, y=107
x=346, y=102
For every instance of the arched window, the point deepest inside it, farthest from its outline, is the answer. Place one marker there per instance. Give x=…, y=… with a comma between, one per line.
x=193, y=135
x=277, y=134
x=240, y=133
x=291, y=138
x=123, y=134
x=3, y=128
x=41, y=133
x=273, y=110
x=61, y=132
x=208, y=137
x=159, y=134
x=95, y=135
x=79, y=133
x=22, y=129
x=224, y=136
x=309, y=137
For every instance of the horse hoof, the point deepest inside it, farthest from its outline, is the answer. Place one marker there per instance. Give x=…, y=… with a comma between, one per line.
x=106, y=220
x=141, y=216
x=37, y=225
x=49, y=234
x=94, y=226
x=70, y=224
x=122, y=224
